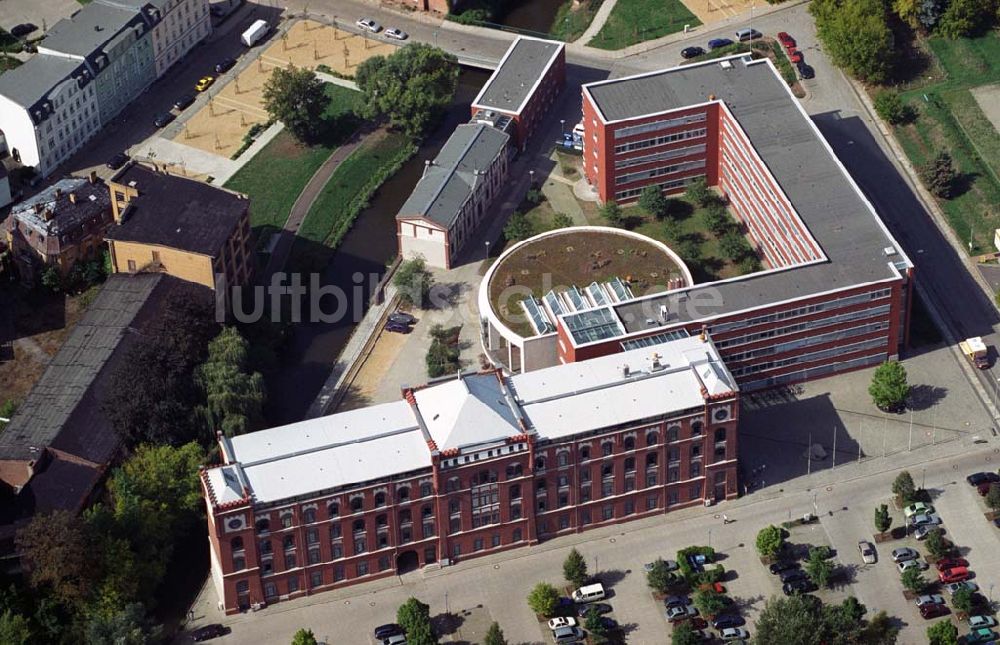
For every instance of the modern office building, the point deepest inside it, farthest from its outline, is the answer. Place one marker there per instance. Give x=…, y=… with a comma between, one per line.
x=469, y=465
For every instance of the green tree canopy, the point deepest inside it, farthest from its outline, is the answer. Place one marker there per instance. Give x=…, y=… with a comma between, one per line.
x=127, y=626
x=770, y=541
x=819, y=567
x=443, y=355
x=494, y=636
x=904, y=487
x=304, y=637
x=698, y=192
x=937, y=545
x=942, y=633
x=684, y=634
x=575, y=569
x=413, y=281
x=717, y=219
x=56, y=551
x=939, y=175
x=843, y=623
x=653, y=201
x=659, y=578
x=882, y=519
x=543, y=599
x=963, y=600
x=880, y=630
x=612, y=212
x=593, y=623
x=710, y=602
x=298, y=99
x=234, y=393
x=788, y=621
x=518, y=227
x=964, y=18
x=891, y=107
x=889, y=388
x=919, y=14
x=993, y=497
x=914, y=580
x=857, y=37
x=14, y=629
x=415, y=619
x=412, y=87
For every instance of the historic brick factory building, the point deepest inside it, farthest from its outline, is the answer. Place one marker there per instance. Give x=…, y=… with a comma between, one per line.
x=470, y=465
x=836, y=290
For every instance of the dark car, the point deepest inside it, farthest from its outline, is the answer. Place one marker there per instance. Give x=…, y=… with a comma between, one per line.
x=600, y=607
x=784, y=565
x=402, y=317
x=610, y=624
x=163, y=119
x=117, y=161
x=691, y=52
x=184, y=101
x=224, y=65
x=793, y=575
x=22, y=29
x=676, y=601
x=975, y=479
x=806, y=72
x=748, y=34
x=385, y=631
x=209, y=632
x=716, y=43
x=399, y=328
x=796, y=586
x=934, y=611
x=728, y=620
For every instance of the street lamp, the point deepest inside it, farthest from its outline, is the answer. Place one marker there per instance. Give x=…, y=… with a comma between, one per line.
x=531, y=178
x=923, y=478
x=562, y=126
x=487, y=249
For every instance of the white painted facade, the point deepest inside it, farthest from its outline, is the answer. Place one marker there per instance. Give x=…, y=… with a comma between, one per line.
x=420, y=238
x=183, y=24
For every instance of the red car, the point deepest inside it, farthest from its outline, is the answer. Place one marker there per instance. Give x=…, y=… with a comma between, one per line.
x=984, y=489
x=949, y=563
x=954, y=574
x=794, y=55
x=934, y=611
x=786, y=41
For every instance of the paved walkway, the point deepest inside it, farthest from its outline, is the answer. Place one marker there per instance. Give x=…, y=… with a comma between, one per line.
x=595, y=25
x=283, y=247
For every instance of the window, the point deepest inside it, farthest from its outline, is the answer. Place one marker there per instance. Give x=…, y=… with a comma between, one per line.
x=270, y=590
x=673, y=474
x=454, y=525
x=629, y=443
x=585, y=452
x=696, y=428
x=562, y=501
x=585, y=494
x=338, y=573
x=514, y=470
x=381, y=521
x=313, y=556
x=403, y=494
x=629, y=464
x=453, y=484
x=607, y=512
x=673, y=432
x=362, y=568
x=358, y=526
x=382, y=539
x=286, y=521
x=562, y=458
x=629, y=507
x=357, y=503
x=360, y=545
x=290, y=561
x=650, y=459
x=695, y=492
x=131, y=266
x=335, y=531
x=236, y=544
x=430, y=555
x=337, y=551
x=607, y=470
x=309, y=515
x=673, y=454
x=672, y=497
x=379, y=499
x=562, y=481
x=515, y=511
x=651, y=502
x=584, y=474
x=720, y=434
x=288, y=542
x=333, y=509
x=266, y=567
x=315, y=579
x=540, y=463
x=540, y=486
x=477, y=544
x=651, y=438
x=515, y=491
x=629, y=484
x=239, y=563
x=651, y=478
x=312, y=535
x=495, y=540
x=265, y=546
x=542, y=505
x=383, y=563
x=607, y=488
x=607, y=448
x=426, y=489
x=454, y=506
x=428, y=529
x=516, y=535
x=696, y=469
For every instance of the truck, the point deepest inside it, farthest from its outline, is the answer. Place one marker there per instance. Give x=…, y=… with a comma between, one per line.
x=976, y=351
x=254, y=33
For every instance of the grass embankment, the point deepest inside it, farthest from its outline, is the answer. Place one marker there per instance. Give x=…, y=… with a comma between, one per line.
x=573, y=18
x=950, y=118
x=636, y=21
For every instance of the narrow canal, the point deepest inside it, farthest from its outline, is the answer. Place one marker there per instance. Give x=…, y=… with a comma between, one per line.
x=533, y=15
x=313, y=349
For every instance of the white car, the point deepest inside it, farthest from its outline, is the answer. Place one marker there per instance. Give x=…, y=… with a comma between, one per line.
x=562, y=621
x=868, y=555
x=976, y=622
x=965, y=584
x=917, y=509
x=734, y=633
x=369, y=25
x=919, y=565
x=398, y=34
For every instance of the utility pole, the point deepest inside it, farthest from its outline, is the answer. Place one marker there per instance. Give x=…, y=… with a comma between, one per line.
x=885, y=426
x=861, y=427
x=909, y=443
x=809, y=455
x=835, y=446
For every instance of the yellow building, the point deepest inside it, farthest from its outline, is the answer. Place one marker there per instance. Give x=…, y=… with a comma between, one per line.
x=179, y=226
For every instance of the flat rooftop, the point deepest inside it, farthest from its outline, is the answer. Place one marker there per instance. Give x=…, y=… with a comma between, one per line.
x=89, y=29
x=858, y=247
x=519, y=72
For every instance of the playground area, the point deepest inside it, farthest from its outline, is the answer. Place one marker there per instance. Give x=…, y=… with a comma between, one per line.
x=219, y=126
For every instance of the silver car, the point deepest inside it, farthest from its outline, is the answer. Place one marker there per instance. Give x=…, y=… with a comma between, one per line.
x=925, y=519
x=977, y=622
x=905, y=553
x=930, y=599
x=397, y=34
x=919, y=565
x=369, y=25
x=965, y=584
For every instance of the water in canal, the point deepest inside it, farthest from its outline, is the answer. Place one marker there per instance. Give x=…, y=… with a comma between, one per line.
x=314, y=347
x=532, y=15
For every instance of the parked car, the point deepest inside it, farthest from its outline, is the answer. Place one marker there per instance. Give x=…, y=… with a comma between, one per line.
x=903, y=565
x=717, y=43
x=385, y=631
x=793, y=575
x=923, y=531
x=925, y=519
x=728, y=620
x=164, y=119
x=568, y=635
x=868, y=555
x=918, y=509
x=734, y=633
x=369, y=25
x=933, y=610
x=208, y=632
x=955, y=586
x=676, y=601
x=930, y=599
x=395, y=639
x=795, y=56
x=797, y=586
x=117, y=161
x=402, y=317
x=955, y=574
x=785, y=40
x=398, y=328
x=984, y=488
x=976, y=622
x=23, y=29
x=184, y=101
x=807, y=72
x=905, y=553
x=980, y=635
x=676, y=614
x=225, y=65
x=204, y=83
x=609, y=623
x=744, y=35
x=975, y=479
x=397, y=34
x=562, y=621
x=691, y=52
x=600, y=607
x=948, y=563
x=783, y=565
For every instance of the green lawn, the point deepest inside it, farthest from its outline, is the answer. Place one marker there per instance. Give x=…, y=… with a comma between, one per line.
x=636, y=21
x=573, y=18
x=277, y=174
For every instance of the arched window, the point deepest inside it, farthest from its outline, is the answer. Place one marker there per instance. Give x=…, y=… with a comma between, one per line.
x=696, y=427
x=629, y=443
x=607, y=470
x=359, y=526
x=652, y=438
x=540, y=485
x=673, y=433
x=379, y=499
x=454, y=483
x=309, y=515
x=650, y=459
x=263, y=525
x=487, y=476
x=607, y=448
x=539, y=463
x=585, y=452
x=426, y=489
x=720, y=434
x=514, y=470
x=454, y=506
x=333, y=509
x=403, y=493
x=236, y=544
x=562, y=458
x=357, y=503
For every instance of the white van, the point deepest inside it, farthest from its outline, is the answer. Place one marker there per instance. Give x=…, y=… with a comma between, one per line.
x=589, y=593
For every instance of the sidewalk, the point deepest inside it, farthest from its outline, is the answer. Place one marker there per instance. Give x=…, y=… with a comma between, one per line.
x=595, y=25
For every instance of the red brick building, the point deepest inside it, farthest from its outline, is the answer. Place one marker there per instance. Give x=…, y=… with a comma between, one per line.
x=468, y=466
x=523, y=87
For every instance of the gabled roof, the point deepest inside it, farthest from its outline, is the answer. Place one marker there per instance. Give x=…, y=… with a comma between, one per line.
x=90, y=29
x=472, y=409
x=31, y=82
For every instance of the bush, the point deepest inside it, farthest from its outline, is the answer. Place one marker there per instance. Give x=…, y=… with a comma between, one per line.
x=518, y=228
x=562, y=220
x=717, y=219
x=963, y=600
x=892, y=109
x=534, y=196
x=904, y=487
x=544, y=599
x=612, y=212
x=882, y=519
x=942, y=633
x=734, y=246
x=819, y=567
x=938, y=175
x=443, y=354
x=413, y=281
x=575, y=569
x=659, y=578
x=936, y=543
x=965, y=18
x=992, y=497
x=770, y=541
x=698, y=192
x=653, y=201
x=709, y=602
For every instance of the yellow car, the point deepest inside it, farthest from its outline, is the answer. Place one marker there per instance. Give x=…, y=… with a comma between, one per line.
x=204, y=83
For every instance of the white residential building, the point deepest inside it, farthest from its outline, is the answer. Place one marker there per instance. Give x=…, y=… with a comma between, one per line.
x=182, y=24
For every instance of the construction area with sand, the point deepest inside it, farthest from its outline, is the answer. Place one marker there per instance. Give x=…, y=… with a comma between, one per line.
x=709, y=11
x=220, y=125
x=988, y=98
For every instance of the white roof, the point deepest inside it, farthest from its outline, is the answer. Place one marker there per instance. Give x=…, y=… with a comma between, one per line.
x=226, y=484
x=976, y=344
x=467, y=411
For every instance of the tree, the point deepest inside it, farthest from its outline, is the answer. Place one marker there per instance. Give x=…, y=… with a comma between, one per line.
x=494, y=636
x=710, y=602
x=882, y=519
x=942, y=633
x=443, y=355
x=575, y=569
x=788, y=621
x=914, y=580
x=685, y=634
x=750, y=264
x=672, y=229
x=52, y=279
x=819, y=567
x=660, y=578
x=653, y=201
x=734, y=246
x=938, y=175
x=518, y=227
x=842, y=624
x=304, y=637
x=612, y=212
x=993, y=497
x=770, y=541
x=412, y=87
x=413, y=281
x=592, y=623
x=918, y=14
x=561, y=220
x=298, y=99
x=936, y=543
x=880, y=630
x=963, y=600
x=891, y=107
x=717, y=219
x=234, y=393
x=127, y=626
x=698, y=192
x=889, y=388
x=543, y=599
x=856, y=35
x=56, y=551
x=421, y=634
x=415, y=619
x=904, y=487
x=14, y=629
x=7, y=410
x=965, y=18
